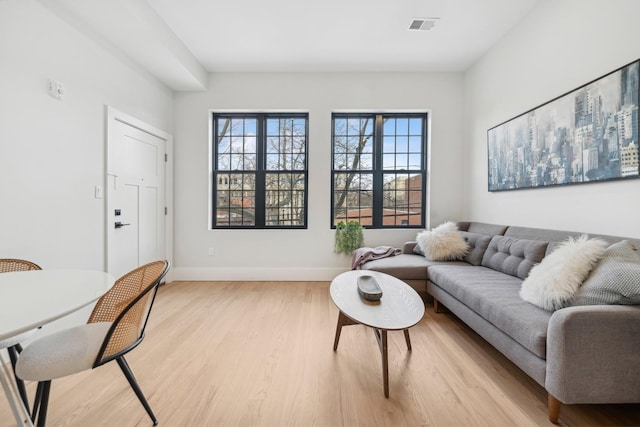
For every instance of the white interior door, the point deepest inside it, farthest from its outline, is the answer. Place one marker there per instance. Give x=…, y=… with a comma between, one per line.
x=135, y=194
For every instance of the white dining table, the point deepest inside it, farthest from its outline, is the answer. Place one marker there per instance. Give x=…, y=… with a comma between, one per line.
x=30, y=299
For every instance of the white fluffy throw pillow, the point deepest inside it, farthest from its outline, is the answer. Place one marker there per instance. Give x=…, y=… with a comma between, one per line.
x=443, y=243
x=552, y=283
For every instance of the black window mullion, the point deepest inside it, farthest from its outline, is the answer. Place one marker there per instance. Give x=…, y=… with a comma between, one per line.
x=305, y=195
x=260, y=196
x=214, y=162
x=378, y=176
x=423, y=169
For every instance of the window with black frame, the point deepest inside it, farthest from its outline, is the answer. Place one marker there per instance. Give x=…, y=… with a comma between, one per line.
x=379, y=169
x=260, y=170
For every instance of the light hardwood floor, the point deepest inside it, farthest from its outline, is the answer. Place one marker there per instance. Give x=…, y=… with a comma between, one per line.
x=260, y=354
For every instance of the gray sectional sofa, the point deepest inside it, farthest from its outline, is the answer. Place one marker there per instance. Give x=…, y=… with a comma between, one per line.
x=579, y=354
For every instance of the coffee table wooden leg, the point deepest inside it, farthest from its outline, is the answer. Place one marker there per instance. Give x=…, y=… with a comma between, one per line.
x=342, y=321
x=407, y=339
x=338, y=330
x=385, y=363
x=381, y=337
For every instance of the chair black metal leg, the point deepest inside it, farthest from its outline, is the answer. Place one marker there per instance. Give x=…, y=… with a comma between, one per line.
x=124, y=366
x=43, y=402
x=36, y=401
x=13, y=355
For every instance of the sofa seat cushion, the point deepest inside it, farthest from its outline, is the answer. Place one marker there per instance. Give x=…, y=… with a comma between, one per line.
x=407, y=266
x=495, y=297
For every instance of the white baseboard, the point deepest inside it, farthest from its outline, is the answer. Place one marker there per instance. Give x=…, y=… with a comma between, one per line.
x=254, y=274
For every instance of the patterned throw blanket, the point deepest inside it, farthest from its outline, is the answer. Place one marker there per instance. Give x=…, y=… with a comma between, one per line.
x=362, y=255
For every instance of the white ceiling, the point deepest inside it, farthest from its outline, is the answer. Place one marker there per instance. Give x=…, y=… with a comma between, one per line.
x=181, y=41
x=338, y=35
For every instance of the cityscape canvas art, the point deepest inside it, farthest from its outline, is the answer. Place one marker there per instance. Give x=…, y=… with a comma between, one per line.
x=587, y=135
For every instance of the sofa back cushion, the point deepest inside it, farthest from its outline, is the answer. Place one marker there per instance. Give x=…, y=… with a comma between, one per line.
x=556, y=237
x=482, y=228
x=513, y=256
x=478, y=244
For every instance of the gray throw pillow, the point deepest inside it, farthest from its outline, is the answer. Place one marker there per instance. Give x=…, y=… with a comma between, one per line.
x=418, y=250
x=478, y=244
x=614, y=280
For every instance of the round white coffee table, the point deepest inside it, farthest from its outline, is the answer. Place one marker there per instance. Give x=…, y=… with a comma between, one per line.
x=399, y=309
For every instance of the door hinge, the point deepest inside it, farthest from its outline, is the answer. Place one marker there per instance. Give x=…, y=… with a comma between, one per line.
x=166, y=211
x=166, y=157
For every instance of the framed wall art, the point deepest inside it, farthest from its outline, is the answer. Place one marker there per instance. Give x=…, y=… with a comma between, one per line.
x=587, y=135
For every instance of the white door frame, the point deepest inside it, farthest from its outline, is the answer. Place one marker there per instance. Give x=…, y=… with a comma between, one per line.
x=112, y=116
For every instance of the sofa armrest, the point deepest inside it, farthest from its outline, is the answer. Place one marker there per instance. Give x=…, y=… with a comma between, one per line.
x=407, y=248
x=593, y=354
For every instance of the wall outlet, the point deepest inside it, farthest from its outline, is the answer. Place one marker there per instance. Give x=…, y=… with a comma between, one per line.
x=212, y=251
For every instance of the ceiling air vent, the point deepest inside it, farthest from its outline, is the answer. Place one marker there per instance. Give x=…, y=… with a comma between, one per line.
x=423, y=24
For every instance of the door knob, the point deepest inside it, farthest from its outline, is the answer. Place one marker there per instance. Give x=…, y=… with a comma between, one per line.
x=120, y=225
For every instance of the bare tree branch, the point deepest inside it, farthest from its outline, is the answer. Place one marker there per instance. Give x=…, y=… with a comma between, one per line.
x=356, y=160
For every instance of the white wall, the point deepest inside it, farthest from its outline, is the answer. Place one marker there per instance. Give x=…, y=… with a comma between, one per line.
x=52, y=152
x=302, y=254
x=560, y=46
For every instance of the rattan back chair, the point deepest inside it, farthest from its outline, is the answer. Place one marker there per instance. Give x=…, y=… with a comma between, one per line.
x=115, y=327
x=128, y=305
x=8, y=265
x=12, y=345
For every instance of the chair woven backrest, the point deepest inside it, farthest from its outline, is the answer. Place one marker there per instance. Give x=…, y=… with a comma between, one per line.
x=127, y=305
x=8, y=265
